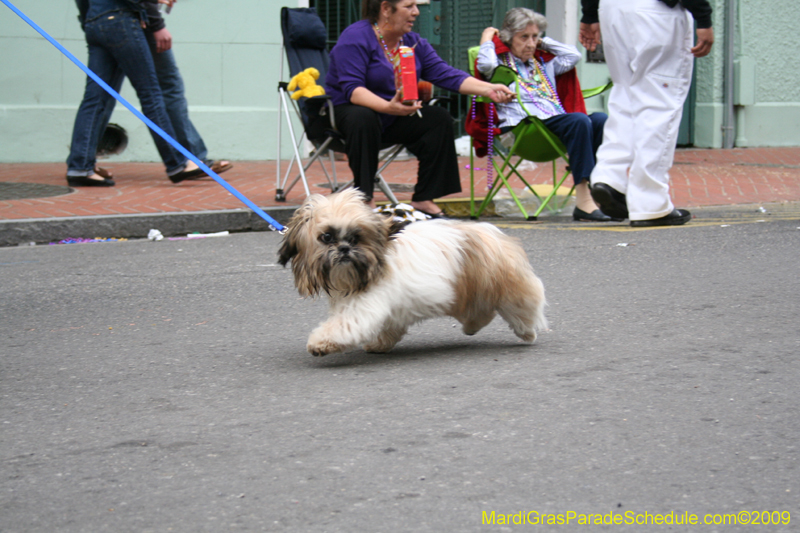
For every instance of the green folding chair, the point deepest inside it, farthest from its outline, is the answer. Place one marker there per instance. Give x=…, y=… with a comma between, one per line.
x=532, y=142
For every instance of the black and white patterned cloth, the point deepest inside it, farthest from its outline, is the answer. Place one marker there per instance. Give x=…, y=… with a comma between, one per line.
x=402, y=213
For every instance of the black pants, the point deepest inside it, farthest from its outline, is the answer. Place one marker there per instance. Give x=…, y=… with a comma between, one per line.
x=430, y=138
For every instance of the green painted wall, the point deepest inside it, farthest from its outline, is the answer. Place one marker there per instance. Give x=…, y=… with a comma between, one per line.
x=766, y=35
x=229, y=54
x=230, y=57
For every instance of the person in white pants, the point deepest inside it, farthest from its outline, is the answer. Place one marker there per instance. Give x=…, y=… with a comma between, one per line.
x=648, y=47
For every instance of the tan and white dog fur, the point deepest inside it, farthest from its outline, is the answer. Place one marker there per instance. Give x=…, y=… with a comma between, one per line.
x=382, y=278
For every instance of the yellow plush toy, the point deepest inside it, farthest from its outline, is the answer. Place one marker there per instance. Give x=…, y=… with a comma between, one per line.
x=306, y=84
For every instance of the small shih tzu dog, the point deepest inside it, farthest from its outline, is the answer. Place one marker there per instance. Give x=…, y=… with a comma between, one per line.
x=382, y=277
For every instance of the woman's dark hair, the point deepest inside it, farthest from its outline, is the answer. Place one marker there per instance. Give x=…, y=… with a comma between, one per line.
x=371, y=9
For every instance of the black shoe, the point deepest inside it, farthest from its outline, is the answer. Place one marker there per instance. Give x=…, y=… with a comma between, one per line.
x=594, y=216
x=195, y=174
x=440, y=215
x=86, y=181
x=676, y=218
x=611, y=201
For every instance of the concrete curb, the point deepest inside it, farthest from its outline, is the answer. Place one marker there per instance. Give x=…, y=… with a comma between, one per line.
x=45, y=230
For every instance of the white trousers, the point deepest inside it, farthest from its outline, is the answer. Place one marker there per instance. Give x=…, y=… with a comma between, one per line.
x=647, y=47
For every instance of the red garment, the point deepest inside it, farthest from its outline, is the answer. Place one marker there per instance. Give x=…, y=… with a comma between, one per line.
x=567, y=86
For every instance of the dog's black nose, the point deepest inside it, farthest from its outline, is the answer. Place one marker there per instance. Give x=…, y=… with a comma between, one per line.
x=344, y=249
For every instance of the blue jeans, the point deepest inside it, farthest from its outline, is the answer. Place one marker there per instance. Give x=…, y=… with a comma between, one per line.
x=172, y=90
x=171, y=82
x=582, y=135
x=118, y=48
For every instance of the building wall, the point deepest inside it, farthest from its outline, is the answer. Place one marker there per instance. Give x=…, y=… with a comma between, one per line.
x=229, y=54
x=767, y=36
x=769, y=93
x=709, y=77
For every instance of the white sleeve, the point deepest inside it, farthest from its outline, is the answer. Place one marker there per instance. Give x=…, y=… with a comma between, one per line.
x=487, y=59
x=566, y=56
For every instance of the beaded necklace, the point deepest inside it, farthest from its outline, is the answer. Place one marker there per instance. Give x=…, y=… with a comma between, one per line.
x=393, y=57
x=489, y=143
x=540, y=86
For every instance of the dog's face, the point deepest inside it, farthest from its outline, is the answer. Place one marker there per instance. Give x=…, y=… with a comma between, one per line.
x=336, y=244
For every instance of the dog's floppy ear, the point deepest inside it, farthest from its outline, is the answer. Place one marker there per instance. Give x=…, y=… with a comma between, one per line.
x=288, y=248
x=392, y=225
x=395, y=227
x=287, y=251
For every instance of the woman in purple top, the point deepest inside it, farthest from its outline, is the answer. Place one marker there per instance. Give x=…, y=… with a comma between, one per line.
x=369, y=111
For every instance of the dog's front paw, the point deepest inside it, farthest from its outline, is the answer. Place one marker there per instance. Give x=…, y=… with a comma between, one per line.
x=377, y=347
x=321, y=347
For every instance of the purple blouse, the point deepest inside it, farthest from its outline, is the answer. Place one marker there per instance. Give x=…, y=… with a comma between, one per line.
x=358, y=60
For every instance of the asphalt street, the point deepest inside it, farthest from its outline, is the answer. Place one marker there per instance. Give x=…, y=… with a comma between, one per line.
x=164, y=386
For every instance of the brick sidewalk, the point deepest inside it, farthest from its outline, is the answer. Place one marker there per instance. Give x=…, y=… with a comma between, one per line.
x=699, y=178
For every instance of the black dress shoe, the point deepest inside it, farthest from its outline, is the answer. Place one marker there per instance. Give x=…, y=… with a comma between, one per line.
x=676, y=218
x=86, y=181
x=439, y=215
x=195, y=174
x=611, y=201
x=594, y=216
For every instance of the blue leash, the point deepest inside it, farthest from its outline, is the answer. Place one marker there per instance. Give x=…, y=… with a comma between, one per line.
x=275, y=225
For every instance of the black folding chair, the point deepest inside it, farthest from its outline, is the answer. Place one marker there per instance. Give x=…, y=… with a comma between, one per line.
x=304, y=40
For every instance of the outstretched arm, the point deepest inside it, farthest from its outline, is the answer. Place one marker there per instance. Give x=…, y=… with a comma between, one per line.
x=497, y=92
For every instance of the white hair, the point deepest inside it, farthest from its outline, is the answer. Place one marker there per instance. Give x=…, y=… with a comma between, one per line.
x=519, y=18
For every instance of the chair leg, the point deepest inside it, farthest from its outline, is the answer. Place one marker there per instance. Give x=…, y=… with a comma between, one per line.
x=386, y=189
x=536, y=195
x=335, y=184
x=564, y=203
x=296, y=152
x=320, y=150
x=544, y=203
x=281, y=191
x=302, y=172
x=516, y=199
x=379, y=180
x=382, y=184
x=503, y=177
x=486, y=199
x=556, y=185
x=278, y=185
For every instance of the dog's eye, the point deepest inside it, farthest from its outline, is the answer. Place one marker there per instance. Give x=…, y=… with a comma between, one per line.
x=353, y=240
x=327, y=238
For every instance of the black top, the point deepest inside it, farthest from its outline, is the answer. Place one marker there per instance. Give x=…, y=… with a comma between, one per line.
x=700, y=10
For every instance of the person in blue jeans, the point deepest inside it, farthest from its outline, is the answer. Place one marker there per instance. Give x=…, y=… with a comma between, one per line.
x=118, y=45
x=172, y=90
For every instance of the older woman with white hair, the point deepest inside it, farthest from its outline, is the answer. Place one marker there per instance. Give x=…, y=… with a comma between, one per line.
x=514, y=46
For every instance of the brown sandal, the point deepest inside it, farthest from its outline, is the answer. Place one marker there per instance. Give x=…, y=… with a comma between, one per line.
x=219, y=166
x=103, y=172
